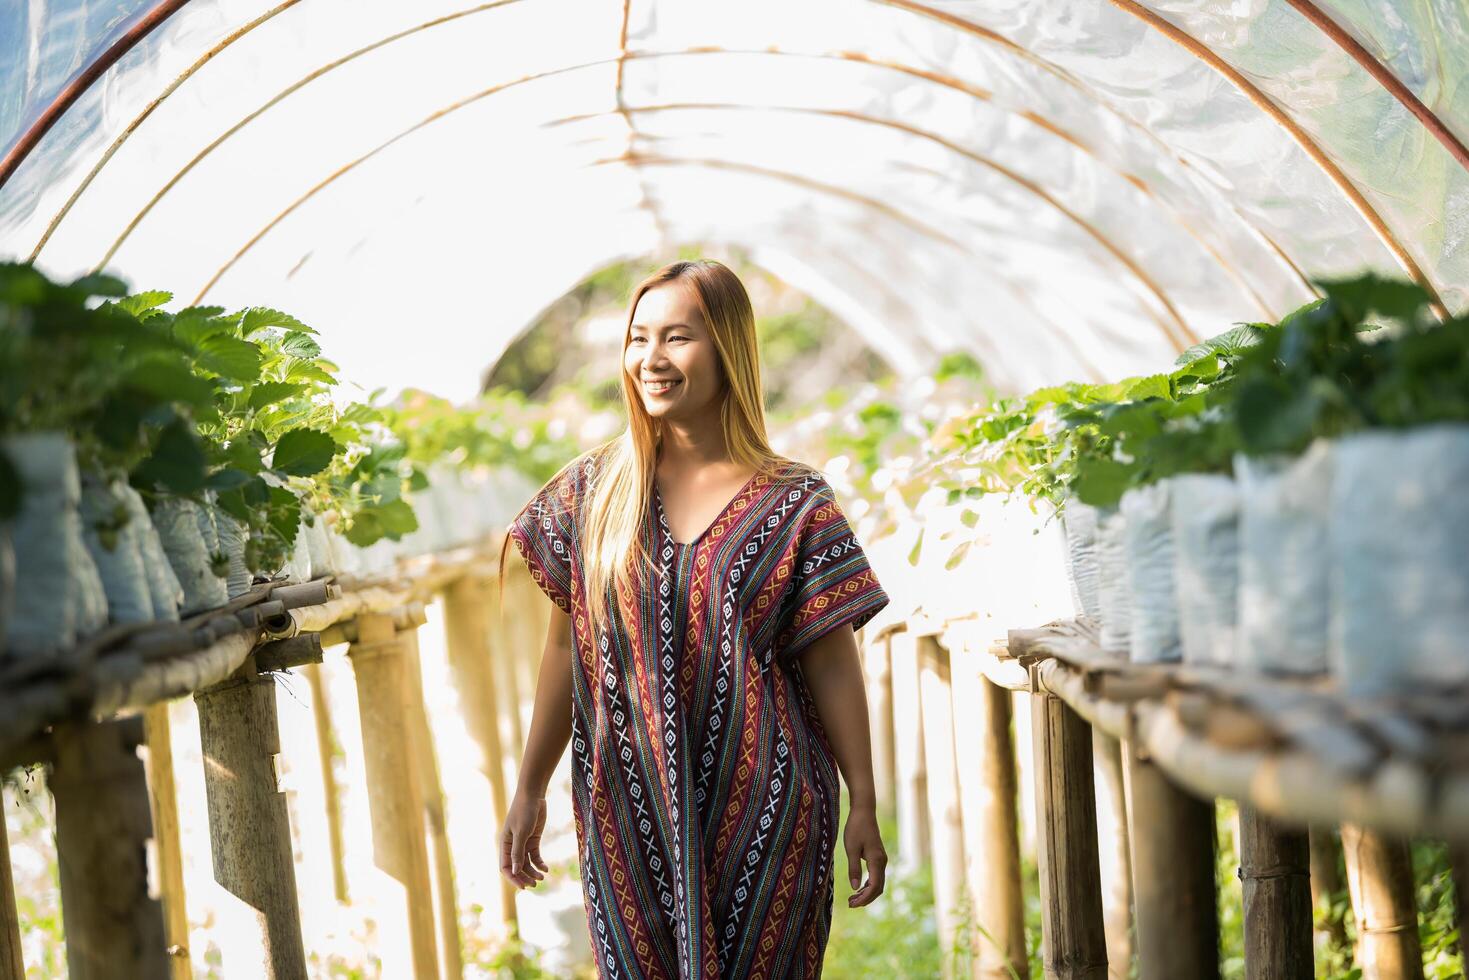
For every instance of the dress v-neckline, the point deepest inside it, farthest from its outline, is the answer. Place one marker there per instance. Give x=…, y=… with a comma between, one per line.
x=663, y=514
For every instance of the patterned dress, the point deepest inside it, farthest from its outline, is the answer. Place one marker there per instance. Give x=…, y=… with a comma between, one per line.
x=705, y=790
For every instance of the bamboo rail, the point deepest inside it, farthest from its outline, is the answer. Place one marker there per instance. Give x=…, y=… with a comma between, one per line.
x=86, y=711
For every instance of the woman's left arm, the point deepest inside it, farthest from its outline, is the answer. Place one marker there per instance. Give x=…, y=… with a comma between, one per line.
x=832, y=667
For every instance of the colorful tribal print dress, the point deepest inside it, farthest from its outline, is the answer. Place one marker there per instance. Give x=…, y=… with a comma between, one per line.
x=705, y=790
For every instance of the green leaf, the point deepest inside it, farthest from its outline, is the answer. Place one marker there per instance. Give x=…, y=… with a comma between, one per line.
x=397, y=517
x=227, y=479
x=418, y=481
x=177, y=463
x=139, y=304
x=259, y=317
x=917, y=548
x=303, y=452
x=272, y=392
x=956, y=557
x=230, y=357
x=308, y=371
x=299, y=345
x=193, y=327
x=100, y=284
x=366, y=529
x=1101, y=482
x=1153, y=386
x=168, y=381
x=284, y=513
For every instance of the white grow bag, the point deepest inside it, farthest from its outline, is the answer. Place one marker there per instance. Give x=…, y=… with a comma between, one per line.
x=1283, y=588
x=1150, y=581
x=1083, y=572
x=1400, y=560
x=1206, y=565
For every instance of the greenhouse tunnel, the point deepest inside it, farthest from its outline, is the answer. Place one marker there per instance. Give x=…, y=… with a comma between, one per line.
x=1064, y=191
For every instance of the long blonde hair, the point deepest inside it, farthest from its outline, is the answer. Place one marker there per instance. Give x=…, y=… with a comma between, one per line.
x=616, y=502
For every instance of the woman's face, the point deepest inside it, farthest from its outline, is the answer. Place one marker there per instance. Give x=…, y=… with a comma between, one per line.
x=670, y=342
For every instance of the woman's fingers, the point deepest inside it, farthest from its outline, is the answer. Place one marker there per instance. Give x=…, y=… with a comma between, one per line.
x=876, y=861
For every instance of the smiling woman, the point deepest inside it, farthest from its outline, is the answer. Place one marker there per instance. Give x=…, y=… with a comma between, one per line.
x=710, y=685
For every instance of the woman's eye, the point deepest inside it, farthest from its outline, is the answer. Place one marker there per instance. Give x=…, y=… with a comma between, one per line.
x=635, y=340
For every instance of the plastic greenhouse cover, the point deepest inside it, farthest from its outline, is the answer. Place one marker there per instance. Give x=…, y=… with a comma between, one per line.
x=1068, y=190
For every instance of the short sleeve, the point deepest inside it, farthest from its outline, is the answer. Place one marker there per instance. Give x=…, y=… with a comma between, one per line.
x=832, y=585
x=545, y=533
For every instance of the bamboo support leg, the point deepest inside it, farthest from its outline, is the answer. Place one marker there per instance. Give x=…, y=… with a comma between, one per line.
x=12, y=967
x=164, y=798
x=466, y=621
x=877, y=666
x=914, y=842
x=992, y=838
x=1275, y=863
x=1115, y=851
x=249, y=827
x=1459, y=867
x=945, y=816
x=326, y=750
x=394, y=796
x=1326, y=884
x=114, y=927
x=1380, y=876
x=1172, y=875
x=1073, y=938
x=426, y=759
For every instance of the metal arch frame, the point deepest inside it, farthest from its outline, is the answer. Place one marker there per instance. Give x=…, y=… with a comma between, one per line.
x=1180, y=340
x=846, y=57
x=1384, y=77
x=1267, y=105
x=936, y=77
x=82, y=81
x=167, y=7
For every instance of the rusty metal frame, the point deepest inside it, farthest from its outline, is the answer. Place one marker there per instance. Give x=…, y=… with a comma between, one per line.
x=84, y=80
x=1181, y=339
x=1303, y=139
x=1384, y=76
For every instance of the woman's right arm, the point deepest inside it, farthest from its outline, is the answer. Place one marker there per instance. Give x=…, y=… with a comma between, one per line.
x=550, y=730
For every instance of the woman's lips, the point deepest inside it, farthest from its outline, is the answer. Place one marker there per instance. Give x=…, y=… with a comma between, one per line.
x=660, y=387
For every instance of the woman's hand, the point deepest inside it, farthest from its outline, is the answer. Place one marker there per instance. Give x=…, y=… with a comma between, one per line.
x=864, y=843
x=520, y=845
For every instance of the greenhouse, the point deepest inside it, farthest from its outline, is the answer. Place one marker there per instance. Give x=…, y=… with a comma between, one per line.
x=1132, y=338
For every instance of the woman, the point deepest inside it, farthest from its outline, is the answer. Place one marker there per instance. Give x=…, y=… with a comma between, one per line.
x=714, y=689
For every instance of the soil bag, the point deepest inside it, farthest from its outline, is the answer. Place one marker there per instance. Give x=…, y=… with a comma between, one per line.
x=1079, y=522
x=178, y=524
x=1114, y=598
x=111, y=535
x=1284, y=560
x=1206, y=565
x=1400, y=579
x=1148, y=541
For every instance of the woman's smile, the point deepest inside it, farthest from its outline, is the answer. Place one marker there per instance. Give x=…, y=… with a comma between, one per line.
x=659, y=387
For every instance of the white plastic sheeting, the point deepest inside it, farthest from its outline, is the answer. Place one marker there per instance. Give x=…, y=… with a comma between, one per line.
x=1068, y=190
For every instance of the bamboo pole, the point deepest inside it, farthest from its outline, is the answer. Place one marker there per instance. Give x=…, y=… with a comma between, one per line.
x=1172, y=874
x=466, y=622
x=1275, y=869
x=1459, y=868
x=1073, y=939
x=945, y=817
x=114, y=928
x=164, y=798
x=1115, y=851
x=394, y=796
x=249, y=826
x=12, y=967
x=992, y=836
x=1380, y=877
x=877, y=664
x=451, y=953
x=326, y=740
x=914, y=840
